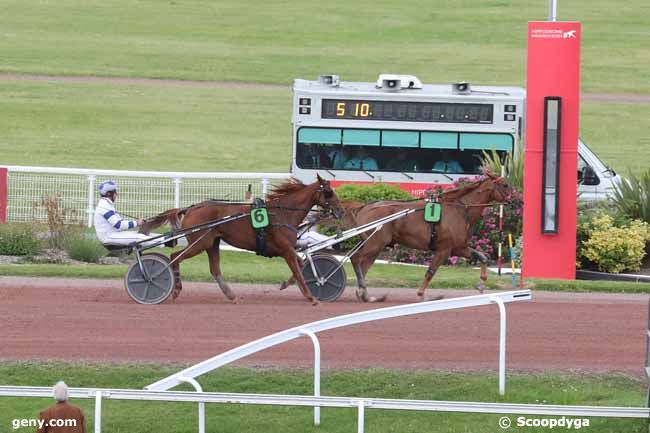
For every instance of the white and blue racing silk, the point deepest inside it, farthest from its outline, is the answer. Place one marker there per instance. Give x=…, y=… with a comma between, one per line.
x=108, y=221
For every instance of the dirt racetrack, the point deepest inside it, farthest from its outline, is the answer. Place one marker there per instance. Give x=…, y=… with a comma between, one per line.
x=95, y=320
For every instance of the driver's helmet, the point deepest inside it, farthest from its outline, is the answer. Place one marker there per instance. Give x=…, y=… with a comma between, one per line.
x=106, y=187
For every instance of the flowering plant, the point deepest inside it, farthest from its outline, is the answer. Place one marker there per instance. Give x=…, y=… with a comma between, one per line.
x=486, y=231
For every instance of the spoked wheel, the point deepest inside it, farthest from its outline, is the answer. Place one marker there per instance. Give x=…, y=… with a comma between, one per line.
x=155, y=285
x=321, y=287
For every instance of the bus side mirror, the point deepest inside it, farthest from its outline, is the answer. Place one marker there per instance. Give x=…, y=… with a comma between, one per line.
x=588, y=176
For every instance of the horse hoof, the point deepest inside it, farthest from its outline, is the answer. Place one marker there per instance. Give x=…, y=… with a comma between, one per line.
x=315, y=302
x=379, y=299
x=480, y=287
x=236, y=300
x=362, y=296
x=284, y=285
x=176, y=292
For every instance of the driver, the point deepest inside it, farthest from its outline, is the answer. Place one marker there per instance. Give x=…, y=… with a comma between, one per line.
x=110, y=227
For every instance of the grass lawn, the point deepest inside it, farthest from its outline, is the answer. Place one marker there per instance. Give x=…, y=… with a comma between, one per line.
x=249, y=268
x=144, y=417
x=200, y=129
x=144, y=127
x=273, y=42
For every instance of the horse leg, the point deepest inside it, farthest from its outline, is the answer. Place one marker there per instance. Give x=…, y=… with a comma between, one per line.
x=438, y=259
x=291, y=280
x=293, y=261
x=215, y=270
x=361, y=263
x=473, y=254
x=185, y=253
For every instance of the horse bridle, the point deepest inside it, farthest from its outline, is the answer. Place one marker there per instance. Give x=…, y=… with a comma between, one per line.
x=466, y=206
x=327, y=195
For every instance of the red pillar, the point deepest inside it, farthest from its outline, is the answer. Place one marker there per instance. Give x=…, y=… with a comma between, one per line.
x=3, y=195
x=553, y=70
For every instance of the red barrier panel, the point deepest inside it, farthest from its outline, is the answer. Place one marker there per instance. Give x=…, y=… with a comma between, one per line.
x=3, y=195
x=553, y=71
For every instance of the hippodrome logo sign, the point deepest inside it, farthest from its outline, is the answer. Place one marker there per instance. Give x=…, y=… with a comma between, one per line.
x=553, y=34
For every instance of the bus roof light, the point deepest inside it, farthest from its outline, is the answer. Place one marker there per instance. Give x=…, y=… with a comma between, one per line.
x=329, y=80
x=395, y=82
x=461, y=88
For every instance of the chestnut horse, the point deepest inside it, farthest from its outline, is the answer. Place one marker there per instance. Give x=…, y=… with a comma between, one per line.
x=461, y=209
x=287, y=205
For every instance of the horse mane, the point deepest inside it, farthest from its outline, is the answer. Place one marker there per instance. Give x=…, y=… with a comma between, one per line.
x=290, y=186
x=461, y=190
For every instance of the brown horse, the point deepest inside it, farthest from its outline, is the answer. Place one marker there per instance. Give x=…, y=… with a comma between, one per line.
x=461, y=209
x=287, y=205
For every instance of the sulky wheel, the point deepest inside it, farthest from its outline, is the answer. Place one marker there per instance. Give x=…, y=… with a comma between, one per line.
x=323, y=288
x=157, y=283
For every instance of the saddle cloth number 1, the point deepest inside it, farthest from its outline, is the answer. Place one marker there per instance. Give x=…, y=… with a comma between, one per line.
x=432, y=212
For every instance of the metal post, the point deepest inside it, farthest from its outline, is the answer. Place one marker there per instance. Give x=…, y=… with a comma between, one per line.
x=177, y=191
x=265, y=186
x=502, y=345
x=361, y=416
x=98, y=412
x=552, y=10
x=197, y=387
x=91, y=199
x=314, y=340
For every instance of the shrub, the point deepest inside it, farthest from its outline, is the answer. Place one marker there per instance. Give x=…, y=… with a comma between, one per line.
x=632, y=196
x=84, y=250
x=371, y=192
x=18, y=240
x=486, y=230
x=611, y=247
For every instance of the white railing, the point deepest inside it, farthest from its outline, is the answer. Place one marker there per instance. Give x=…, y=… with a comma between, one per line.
x=358, y=403
x=142, y=193
x=190, y=374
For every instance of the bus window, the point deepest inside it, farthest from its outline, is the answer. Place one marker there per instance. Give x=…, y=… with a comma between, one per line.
x=396, y=151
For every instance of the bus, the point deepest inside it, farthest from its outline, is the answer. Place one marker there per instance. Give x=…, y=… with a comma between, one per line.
x=399, y=131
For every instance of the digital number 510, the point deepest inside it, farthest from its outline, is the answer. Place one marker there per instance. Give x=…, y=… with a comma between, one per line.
x=360, y=110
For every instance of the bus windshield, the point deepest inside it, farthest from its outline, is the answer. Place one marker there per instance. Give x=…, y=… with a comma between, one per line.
x=397, y=150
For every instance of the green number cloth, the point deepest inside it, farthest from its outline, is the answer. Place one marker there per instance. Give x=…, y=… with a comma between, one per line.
x=432, y=212
x=259, y=218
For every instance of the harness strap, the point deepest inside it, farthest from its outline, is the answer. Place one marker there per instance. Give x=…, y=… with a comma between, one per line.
x=260, y=232
x=434, y=237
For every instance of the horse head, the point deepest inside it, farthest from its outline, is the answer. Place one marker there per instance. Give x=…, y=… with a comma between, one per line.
x=500, y=190
x=326, y=198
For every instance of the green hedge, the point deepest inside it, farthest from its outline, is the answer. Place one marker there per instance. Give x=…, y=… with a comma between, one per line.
x=371, y=192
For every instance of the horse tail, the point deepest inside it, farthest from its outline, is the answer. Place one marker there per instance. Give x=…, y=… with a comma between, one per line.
x=173, y=216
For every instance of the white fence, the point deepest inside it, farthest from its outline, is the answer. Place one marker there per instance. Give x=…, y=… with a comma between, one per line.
x=358, y=403
x=142, y=193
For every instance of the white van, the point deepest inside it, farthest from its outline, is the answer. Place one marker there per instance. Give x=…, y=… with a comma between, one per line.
x=596, y=180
